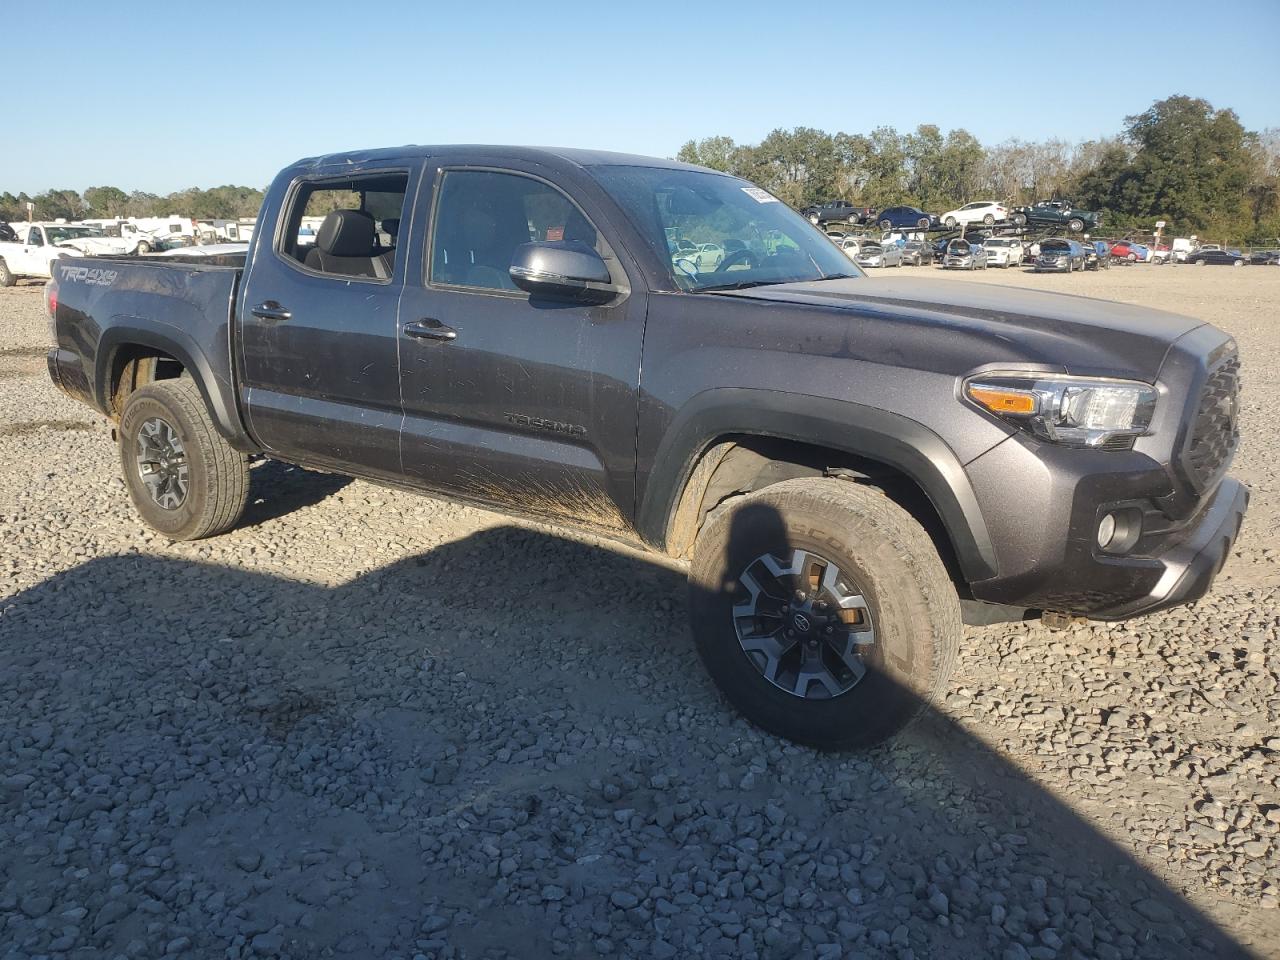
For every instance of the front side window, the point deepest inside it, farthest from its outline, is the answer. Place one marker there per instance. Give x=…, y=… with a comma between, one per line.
x=483, y=216
x=359, y=229
x=34, y=239
x=713, y=231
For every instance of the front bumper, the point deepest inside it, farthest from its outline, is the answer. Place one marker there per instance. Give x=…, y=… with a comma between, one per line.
x=1043, y=504
x=1053, y=266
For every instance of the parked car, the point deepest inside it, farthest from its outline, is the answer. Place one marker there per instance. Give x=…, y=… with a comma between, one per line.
x=1097, y=255
x=878, y=255
x=964, y=255
x=7, y=234
x=980, y=211
x=1003, y=252
x=820, y=213
x=836, y=236
x=539, y=353
x=910, y=218
x=1222, y=258
x=852, y=246
x=1265, y=258
x=918, y=253
x=1130, y=251
x=1054, y=213
x=1058, y=254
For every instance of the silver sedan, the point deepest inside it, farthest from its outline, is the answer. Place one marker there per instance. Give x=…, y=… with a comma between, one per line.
x=878, y=255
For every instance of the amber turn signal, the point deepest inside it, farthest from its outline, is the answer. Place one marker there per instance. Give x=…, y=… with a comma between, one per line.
x=1003, y=401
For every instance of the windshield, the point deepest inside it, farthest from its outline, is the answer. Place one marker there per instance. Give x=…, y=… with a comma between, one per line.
x=996, y=243
x=744, y=237
x=58, y=234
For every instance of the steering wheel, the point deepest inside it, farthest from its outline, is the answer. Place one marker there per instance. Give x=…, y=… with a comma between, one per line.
x=737, y=256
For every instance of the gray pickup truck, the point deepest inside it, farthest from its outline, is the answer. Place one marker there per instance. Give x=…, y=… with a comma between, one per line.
x=669, y=356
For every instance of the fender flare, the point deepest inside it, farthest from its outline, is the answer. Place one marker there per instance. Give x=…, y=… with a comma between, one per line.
x=217, y=393
x=889, y=438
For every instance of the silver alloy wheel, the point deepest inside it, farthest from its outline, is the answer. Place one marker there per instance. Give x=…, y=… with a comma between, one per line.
x=162, y=463
x=801, y=623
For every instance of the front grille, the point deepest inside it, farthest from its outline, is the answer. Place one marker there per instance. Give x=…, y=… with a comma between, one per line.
x=1215, y=431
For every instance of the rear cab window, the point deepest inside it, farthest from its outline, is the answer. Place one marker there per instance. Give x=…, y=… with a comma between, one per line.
x=358, y=225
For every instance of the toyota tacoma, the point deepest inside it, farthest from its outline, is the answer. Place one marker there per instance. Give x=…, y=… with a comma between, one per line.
x=848, y=467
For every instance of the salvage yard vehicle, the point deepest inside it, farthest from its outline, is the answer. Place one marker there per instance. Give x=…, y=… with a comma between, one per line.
x=1130, y=251
x=879, y=255
x=1221, y=258
x=964, y=255
x=1059, y=255
x=846, y=465
x=1054, y=213
x=1003, y=252
x=1097, y=255
x=905, y=218
x=917, y=253
x=980, y=211
x=832, y=210
x=38, y=245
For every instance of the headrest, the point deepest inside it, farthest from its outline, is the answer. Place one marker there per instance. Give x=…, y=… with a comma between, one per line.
x=392, y=226
x=346, y=233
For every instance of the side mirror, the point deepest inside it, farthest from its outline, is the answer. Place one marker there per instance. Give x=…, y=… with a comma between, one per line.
x=561, y=270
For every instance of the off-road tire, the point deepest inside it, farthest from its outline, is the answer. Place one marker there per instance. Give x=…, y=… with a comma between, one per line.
x=218, y=474
x=894, y=563
x=7, y=279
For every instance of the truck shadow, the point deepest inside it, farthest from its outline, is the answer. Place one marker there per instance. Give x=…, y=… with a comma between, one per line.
x=510, y=736
x=277, y=489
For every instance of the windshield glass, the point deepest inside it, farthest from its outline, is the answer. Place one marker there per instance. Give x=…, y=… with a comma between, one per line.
x=996, y=243
x=744, y=236
x=57, y=234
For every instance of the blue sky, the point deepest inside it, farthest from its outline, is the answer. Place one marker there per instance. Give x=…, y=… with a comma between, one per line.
x=170, y=95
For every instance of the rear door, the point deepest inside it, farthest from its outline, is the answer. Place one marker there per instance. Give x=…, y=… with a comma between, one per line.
x=320, y=335
x=518, y=403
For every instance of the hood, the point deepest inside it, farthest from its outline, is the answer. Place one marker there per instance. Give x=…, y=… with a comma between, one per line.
x=96, y=246
x=954, y=326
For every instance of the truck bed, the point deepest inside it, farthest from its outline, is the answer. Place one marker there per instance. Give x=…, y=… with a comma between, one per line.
x=182, y=306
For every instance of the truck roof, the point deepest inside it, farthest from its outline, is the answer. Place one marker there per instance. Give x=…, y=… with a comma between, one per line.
x=576, y=157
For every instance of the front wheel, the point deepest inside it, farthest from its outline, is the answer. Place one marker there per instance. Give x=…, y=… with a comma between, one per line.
x=184, y=479
x=1020, y=219
x=1075, y=225
x=823, y=612
x=143, y=248
x=7, y=279
x=989, y=219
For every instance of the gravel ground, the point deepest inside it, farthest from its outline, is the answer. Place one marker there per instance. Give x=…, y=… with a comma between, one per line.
x=371, y=724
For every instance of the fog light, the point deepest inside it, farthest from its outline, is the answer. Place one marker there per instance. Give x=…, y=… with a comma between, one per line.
x=1107, y=530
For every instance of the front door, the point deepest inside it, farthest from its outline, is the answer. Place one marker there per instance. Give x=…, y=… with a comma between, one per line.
x=319, y=324
x=511, y=401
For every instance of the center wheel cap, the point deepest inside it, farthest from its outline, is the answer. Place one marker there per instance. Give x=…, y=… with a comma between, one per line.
x=814, y=652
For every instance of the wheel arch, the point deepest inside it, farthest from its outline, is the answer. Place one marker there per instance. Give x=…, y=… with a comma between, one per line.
x=708, y=453
x=132, y=356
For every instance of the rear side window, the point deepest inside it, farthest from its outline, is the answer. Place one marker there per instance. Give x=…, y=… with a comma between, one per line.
x=347, y=227
x=482, y=216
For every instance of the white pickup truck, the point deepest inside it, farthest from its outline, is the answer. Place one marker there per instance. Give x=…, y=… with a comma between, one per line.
x=39, y=244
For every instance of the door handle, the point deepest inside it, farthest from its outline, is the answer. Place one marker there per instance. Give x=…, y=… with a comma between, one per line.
x=270, y=310
x=428, y=329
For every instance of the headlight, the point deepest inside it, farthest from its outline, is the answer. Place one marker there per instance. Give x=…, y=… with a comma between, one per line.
x=1073, y=411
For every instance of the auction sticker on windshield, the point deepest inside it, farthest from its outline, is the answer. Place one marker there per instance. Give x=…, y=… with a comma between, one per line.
x=759, y=196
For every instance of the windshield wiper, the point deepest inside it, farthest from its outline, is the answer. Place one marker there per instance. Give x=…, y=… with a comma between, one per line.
x=841, y=276
x=740, y=285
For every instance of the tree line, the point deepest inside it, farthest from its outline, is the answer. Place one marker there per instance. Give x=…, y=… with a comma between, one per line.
x=1181, y=161
x=216, y=203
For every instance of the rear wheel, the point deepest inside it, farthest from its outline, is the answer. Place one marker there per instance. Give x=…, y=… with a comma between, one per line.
x=886, y=224
x=184, y=479
x=7, y=279
x=949, y=223
x=823, y=612
x=1020, y=219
